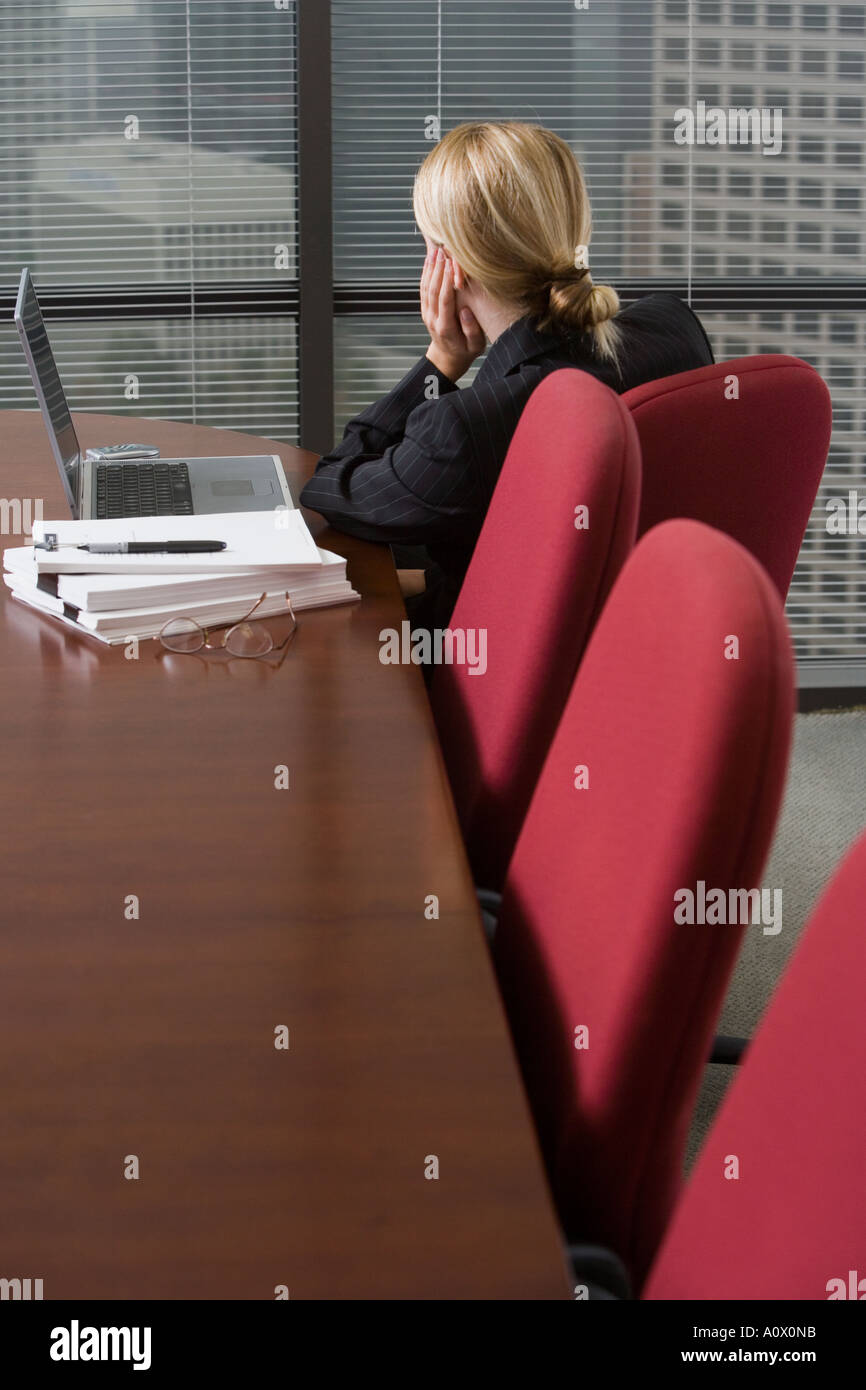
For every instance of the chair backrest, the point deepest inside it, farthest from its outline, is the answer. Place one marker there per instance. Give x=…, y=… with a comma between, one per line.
x=740, y=445
x=539, y=575
x=776, y=1206
x=664, y=778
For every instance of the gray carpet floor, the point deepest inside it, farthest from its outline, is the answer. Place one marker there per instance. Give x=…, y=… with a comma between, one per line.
x=823, y=812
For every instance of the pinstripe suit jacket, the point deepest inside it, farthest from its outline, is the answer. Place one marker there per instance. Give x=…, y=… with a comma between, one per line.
x=417, y=471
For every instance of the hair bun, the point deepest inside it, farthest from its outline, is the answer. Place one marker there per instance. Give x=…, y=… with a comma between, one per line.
x=602, y=304
x=576, y=303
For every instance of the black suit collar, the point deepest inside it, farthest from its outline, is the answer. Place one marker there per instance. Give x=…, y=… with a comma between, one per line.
x=518, y=344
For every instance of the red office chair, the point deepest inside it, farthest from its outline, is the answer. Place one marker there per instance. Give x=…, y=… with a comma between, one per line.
x=685, y=752
x=536, y=582
x=748, y=465
x=793, y=1120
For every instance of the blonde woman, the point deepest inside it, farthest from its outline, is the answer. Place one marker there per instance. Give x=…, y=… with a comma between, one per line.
x=505, y=216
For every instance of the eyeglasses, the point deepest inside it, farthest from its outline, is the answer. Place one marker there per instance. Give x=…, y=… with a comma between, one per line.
x=186, y=637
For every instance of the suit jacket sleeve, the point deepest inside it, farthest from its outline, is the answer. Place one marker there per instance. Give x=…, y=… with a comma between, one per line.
x=405, y=470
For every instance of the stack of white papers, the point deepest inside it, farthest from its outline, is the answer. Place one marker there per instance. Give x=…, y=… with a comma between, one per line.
x=277, y=539
x=114, y=597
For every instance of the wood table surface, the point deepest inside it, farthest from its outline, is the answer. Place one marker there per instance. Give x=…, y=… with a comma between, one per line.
x=258, y=908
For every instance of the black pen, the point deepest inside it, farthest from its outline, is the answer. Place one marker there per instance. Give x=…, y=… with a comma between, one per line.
x=154, y=547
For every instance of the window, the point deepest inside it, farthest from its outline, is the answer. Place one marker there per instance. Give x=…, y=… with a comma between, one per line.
x=813, y=107
x=810, y=150
x=849, y=66
x=774, y=232
x=779, y=16
x=843, y=331
x=773, y=188
x=844, y=419
x=813, y=62
x=707, y=180
x=740, y=185
x=738, y=224
x=535, y=60
x=808, y=236
x=846, y=243
x=120, y=176
x=814, y=17
x=847, y=199
x=852, y=19
x=810, y=193
x=778, y=60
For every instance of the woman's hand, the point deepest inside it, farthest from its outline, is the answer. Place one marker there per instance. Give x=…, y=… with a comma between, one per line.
x=456, y=338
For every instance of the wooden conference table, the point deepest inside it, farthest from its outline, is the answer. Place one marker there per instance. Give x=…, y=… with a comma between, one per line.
x=258, y=907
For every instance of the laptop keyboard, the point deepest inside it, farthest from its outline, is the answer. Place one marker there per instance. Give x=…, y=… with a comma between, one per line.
x=143, y=489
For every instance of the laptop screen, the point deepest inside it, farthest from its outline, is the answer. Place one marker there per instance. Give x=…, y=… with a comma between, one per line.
x=46, y=380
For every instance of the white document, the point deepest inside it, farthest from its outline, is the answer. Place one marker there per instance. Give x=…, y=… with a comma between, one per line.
x=101, y=592
x=145, y=623
x=278, y=539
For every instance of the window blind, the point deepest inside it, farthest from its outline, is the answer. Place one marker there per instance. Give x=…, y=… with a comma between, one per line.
x=769, y=247
x=149, y=147
x=400, y=72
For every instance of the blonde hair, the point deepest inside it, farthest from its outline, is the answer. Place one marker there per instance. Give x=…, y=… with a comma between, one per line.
x=509, y=202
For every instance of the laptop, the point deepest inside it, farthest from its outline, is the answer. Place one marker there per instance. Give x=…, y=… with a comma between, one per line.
x=129, y=486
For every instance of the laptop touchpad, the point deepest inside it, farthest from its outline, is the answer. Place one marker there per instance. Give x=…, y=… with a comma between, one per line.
x=234, y=484
x=242, y=487
x=231, y=487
